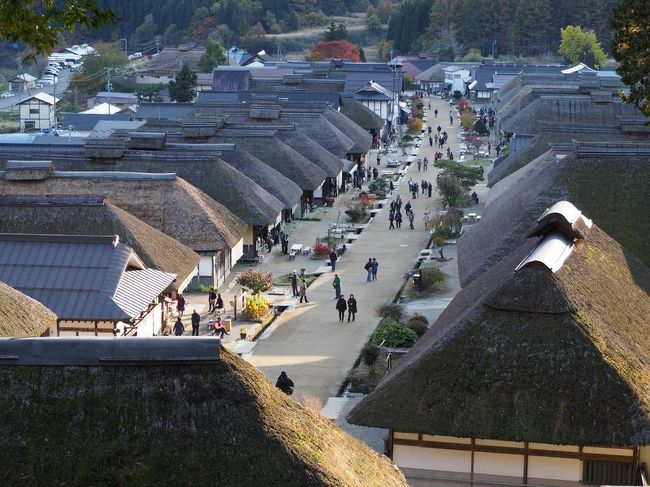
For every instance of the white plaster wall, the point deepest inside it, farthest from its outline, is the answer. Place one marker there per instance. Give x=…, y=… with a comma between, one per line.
x=498, y=464
x=205, y=266
x=554, y=468
x=432, y=458
x=237, y=251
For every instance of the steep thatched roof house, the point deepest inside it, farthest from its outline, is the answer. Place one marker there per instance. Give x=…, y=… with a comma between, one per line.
x=94, y=215
x=22, y=316
x=607, y=180
x=536, y=373
x=94, y=284
x=195, y=415
x=164, y=201
x=363, y=116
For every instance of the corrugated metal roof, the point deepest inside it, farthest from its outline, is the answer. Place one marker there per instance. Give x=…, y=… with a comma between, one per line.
x=78, y=277
x=108, y=351
x=137, y=289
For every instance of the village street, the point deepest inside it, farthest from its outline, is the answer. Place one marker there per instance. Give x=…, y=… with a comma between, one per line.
x=308, y=342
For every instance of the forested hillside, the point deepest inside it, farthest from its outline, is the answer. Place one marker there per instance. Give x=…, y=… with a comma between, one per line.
x=519, y=27
x=230, y=21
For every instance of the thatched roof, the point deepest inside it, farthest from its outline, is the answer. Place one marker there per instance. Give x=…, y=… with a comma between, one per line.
x=532, y=355
x=613, y=190
x=316, y=153
x=582, y=109
x=362, y=139
x=272, y=151
x=164, y=201
x=277, y=184
x=96, y=216
x=361, y=115
x=22, y=316
x=195, y=422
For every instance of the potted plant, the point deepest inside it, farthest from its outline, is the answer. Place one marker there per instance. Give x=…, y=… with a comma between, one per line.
x=242, y=333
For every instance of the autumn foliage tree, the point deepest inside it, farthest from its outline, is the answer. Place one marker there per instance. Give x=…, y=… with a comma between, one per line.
x=334, y=50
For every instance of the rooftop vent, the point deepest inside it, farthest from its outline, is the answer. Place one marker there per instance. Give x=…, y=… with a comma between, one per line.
x=552, y=251
x=28, y=170
x=562, y=217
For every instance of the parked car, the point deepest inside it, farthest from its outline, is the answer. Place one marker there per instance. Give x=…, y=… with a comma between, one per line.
x=7, y=94
x=135, y=55
x=46, y=81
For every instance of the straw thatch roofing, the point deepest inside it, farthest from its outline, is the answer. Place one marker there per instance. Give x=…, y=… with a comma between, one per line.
x=582, y=109
x=532, y=356
x=361, y=115
x=22, y=316
x=96, y=216
x=316, y=153
x=277, y=184
x=612, y=190
x=192, y=423
x=362, y=139
x=164, y=201
x=272, y=151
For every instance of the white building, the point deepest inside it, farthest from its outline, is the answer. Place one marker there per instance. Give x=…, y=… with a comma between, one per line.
x=456, y=77
x=378, y=99
x=38, y=112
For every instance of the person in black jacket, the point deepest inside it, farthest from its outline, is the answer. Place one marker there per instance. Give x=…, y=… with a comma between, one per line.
x=284, y=383
x=341, y=306
x=352, y=307
x=196, y=320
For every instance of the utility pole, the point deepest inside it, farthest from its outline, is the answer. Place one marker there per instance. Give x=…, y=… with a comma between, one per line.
x=126, y=51
x=157, y=44
x=494, y=48
x=109, y=87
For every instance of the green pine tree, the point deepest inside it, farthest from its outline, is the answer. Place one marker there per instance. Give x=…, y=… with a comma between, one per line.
x=183, y=88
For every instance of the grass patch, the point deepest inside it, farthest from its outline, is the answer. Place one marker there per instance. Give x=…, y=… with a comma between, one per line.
x=434, y=281
x=285, y=279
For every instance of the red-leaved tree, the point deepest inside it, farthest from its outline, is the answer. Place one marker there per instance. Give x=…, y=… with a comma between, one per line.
x=334, y=49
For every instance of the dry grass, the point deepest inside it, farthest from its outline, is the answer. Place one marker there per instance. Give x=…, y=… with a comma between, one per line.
x=22, y=316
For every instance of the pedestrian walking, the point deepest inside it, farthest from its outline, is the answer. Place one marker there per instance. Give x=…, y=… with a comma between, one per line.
x=294, y=284
x=179, y=328
x=439, y=129
x=398, y=219
x=303, y=291
x=375, y=268
x=391, y=218
x=180, y=305
x=352, y=307
x=407, y=207
x=196, y=321
x=420, y=163
x=375, y=173
x=218, y=304
x=336, y=283
x=489, y=148
x=333, y=258
x=411, y=216
x=430, y=142
x=212, y=298
x=424, y=186
x=430, y=188
x=435, y=113
x=368, y=268
x=341, y=306
x=284, y=383
x=451, y=119
x=378, y=159
x=425, y=163
x=391, y=186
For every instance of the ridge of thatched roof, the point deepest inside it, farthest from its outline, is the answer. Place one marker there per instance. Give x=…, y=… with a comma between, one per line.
x=70, y=216
x=87, y=424
x=272, y=151
x=600, y=186
x=276, y=183
x=485, y=372
x=361, y=115
x=22, y=316
x=170, y=205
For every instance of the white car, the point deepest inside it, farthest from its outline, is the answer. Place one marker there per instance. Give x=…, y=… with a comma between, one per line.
x=46, y=81
x=7, y=94
x=135, y=55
